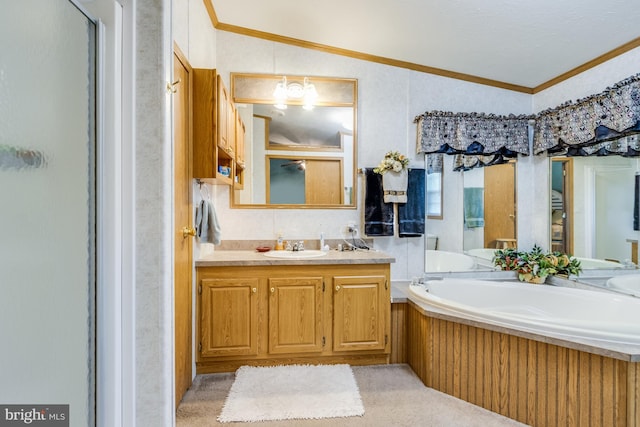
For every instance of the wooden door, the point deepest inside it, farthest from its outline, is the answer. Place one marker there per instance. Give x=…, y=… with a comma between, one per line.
x=295, y=315
x=361, y=313
x=323, y=181
x=228, y=324
x=182, y=219
x=499, y=203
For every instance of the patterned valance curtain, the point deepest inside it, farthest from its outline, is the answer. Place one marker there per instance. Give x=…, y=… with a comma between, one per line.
x=483, y=139
x=601, y=124
x=463, y=162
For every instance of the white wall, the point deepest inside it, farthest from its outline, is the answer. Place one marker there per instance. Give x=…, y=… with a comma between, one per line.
x=193, y=33
x=388, y=100
x=590, y=82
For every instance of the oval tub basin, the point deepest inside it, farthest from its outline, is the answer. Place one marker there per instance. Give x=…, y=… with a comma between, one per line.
x=484, y=253
x=542, y=309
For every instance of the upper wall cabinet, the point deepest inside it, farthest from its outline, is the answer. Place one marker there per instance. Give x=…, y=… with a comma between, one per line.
x=214, y=129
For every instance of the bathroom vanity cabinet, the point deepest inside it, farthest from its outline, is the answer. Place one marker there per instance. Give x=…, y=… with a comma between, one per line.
x=287, y=313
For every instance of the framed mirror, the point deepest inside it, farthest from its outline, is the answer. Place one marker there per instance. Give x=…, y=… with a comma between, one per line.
x=489, y=207
x=300, y=141
x=592, y=209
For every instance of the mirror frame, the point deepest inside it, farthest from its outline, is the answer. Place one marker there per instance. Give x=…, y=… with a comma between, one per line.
x=249, y=88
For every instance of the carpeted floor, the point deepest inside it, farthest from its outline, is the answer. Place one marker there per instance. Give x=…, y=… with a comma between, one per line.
x=392, y=395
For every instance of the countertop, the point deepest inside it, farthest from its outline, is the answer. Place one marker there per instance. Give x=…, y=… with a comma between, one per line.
x=254, y=258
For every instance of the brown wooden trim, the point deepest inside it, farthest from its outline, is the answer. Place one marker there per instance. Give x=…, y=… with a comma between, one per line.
x=418, y=67
x=208, y=4
x=211, y=367
x=588, y=65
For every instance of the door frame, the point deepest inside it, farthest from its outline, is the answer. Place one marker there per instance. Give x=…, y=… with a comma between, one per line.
x=567, y=204
x=115, y=362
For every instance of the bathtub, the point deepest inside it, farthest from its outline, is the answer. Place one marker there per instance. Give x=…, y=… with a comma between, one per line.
x=547, y=310
x=628, y=284
x=486, y=254
x=483, y=253
x=595, y=264
x=443, y=261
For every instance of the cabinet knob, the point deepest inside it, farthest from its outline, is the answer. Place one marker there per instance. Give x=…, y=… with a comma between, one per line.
x=337, y=287
x=254, y=290
x=273, y=290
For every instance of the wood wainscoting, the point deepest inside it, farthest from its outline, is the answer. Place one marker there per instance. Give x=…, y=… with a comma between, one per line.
x=399, y=333
x=536, y=383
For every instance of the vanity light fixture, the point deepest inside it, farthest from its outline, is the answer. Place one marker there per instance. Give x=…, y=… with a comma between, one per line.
x=296, y=91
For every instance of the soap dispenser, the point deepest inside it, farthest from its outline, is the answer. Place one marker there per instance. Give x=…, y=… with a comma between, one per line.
x=323, y=247
x=279, y=243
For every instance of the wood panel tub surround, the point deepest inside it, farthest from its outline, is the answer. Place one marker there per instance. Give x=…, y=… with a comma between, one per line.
x=533, y=382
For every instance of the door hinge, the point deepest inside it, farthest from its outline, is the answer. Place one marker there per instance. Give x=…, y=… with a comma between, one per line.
x=323, y=286
x=323, y=341
x=200, y=347
x=386, y=284
x=200, y=289
x=386, y=339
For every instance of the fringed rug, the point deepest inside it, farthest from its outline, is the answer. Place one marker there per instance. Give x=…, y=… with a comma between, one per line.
x=292, y=392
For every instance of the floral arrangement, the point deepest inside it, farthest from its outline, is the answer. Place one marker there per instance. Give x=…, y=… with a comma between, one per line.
x=534, y=266
x=393, y=161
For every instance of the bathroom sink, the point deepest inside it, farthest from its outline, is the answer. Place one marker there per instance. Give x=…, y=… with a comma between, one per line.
x=310, y=253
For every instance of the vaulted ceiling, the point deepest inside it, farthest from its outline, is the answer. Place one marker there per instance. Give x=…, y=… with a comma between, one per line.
x=520, y=45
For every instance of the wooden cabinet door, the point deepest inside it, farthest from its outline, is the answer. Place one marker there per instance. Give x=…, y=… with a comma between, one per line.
x=361, y=313
x=222, y=115
x=228, y=317
x=240, y=134
x=240, y=152
x=295, y=315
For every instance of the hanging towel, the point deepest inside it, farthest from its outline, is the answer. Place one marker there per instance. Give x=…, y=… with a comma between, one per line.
x=378, y=215
x=411, y=214
x=207, y=226
x=394, y=185
x=474, y=207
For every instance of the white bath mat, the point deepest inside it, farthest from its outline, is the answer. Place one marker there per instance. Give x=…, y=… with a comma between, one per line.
x=292, y=392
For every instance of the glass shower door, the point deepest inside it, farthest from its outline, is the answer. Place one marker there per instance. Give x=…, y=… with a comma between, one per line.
x=47, y=209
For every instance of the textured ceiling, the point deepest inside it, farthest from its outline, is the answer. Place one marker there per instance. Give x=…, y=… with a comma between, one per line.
x=516, y=42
